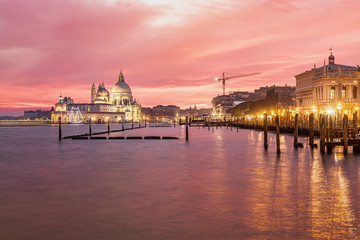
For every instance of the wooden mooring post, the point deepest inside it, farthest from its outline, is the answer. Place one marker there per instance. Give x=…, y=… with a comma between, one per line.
x=322, y=133
x=331, y=128
x=132, y=123
x=59, y=128
x=237, y=125
x=145, y=122
x=90, y=132
x=296, y=131
x=139, y=123
x=277, y=133
x=345, y=133
x=187, y=128
x=311, y=129
x=355, y=128
x=265, y=131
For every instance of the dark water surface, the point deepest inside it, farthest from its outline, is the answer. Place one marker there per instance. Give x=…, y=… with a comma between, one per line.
x=220, y=185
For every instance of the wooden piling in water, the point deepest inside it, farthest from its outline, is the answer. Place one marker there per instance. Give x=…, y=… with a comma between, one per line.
x=322, y=133
x=311, y=129
x=331, y=128
x=345, y=133
x=355, y=129
x=90, y=132
x=145, y=122
x=132, y=123
x=187, y=128
x=108, y=123
x=277, y=133
x=296, y=131
x=123, y=124
x=265, y=131
x=60, y=129
x=237, y=124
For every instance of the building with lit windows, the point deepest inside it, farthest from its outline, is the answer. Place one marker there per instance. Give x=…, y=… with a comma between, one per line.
x=328, y=87
x=116, y=106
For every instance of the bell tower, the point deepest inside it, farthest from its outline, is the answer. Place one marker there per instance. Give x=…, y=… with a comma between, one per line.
x=93, y=93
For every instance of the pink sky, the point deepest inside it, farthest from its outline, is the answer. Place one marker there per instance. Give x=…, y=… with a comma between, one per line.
x=169, y=50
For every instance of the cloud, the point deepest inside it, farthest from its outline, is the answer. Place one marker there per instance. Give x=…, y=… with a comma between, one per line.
x=175, y=47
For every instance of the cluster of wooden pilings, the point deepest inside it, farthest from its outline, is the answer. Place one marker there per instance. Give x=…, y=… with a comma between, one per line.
x=108, y=128
x=332, y=129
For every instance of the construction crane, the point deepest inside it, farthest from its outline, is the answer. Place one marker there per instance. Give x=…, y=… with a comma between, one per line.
x=224, y=79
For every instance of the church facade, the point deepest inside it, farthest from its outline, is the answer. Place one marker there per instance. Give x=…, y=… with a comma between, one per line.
x=115, y=106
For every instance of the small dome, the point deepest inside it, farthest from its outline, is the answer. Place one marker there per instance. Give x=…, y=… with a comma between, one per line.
x=102, y=93
x=331, y=59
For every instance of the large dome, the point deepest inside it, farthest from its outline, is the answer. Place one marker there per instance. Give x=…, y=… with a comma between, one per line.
x=121, y=87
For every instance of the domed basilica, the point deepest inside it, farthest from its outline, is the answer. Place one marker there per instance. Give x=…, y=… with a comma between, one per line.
x=116, y=106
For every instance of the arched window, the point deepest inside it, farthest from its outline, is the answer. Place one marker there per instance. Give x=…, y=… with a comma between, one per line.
x=343, y=93
x=354, y=92
x=332, y=93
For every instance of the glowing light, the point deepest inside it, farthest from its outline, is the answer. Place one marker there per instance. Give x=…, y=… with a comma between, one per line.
x=249, y=117
x=356, y=108
x=330, y=111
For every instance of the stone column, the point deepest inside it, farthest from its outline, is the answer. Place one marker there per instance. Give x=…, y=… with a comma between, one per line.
x=339, y=94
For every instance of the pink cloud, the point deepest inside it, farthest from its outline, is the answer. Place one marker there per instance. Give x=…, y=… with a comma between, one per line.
x=47, y=47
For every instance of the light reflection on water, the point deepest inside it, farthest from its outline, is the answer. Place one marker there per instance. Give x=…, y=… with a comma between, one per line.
x=219, y=185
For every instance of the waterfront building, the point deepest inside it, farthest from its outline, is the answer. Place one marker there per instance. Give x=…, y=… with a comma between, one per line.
x=116, y=106
x=161, y=113
x=221, y=104
x=332, y=86
x=194, y=111
x=37, y=114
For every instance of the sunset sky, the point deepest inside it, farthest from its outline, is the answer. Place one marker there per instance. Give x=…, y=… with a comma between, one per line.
x=170, y=51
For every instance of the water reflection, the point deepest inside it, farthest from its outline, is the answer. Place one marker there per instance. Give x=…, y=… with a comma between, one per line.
x=219, y=185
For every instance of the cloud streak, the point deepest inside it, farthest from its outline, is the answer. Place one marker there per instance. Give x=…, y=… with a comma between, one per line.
x=176, y=47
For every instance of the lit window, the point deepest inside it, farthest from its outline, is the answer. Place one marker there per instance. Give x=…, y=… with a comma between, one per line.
x=343, y=92
x=332, y=93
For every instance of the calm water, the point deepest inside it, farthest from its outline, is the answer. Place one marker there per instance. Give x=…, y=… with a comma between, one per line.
x=220, y=185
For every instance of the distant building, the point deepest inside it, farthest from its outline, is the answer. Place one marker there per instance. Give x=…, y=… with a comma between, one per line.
x=285, y=93
x=328, y=87
x=195, y=112
x=161, y=113
x=221, y=104
x=38, y=114
x=115, y=107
